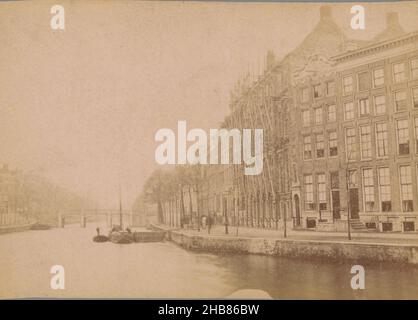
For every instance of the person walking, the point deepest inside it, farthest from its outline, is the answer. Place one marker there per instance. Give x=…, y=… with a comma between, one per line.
x=209, y=222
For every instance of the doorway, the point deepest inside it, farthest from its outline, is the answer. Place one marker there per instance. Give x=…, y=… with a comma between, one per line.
x=297, y=210
x=354, y=205
x=225, y=209
x=336, y=207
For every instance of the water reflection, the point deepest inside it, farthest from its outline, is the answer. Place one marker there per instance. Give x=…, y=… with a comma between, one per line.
x=163, y=270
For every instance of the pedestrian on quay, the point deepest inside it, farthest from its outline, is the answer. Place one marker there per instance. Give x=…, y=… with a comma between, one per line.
x=209, y=222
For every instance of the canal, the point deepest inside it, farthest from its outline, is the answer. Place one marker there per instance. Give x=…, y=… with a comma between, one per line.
x=163, y=270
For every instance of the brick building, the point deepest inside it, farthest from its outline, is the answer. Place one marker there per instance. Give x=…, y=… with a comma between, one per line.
x=358, y=149
x=340, y=120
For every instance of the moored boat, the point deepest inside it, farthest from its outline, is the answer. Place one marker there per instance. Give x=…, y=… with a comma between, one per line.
x=40, y=226
x=100, y=238
x=121, y=237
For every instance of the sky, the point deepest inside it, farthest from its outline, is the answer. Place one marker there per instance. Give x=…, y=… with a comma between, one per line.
x=82, y=105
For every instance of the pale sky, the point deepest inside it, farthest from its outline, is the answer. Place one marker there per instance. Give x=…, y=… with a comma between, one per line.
x=83, y=105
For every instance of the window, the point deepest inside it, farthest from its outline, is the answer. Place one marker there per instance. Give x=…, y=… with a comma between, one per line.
x=378, y=77
x=350, y=141
x=384, y=190
x=332, y=113
x=363, y=81
x=382, y=139
x=415, y=97
x=241, y=203
x=399, y=72
x=406, y=188
x=400, y=100
x=364, y=106
x=307, y=148
x=317, y=91
x=305, y=94
x=335, y=181
x=408, y=226
x=318, y=115
x=320, y=152
x=348, y=111
x=352, y=179
x=348, y=84
x=403, y=136
x=416, y=134
x=366, y=142
x=306, y=118
x=333, y=144
x=414, y=68
x=309, y=195
x=368, y=189
x=330, y=88
x=322, y=199
x=380, y=104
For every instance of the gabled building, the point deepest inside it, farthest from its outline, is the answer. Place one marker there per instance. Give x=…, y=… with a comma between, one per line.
x=340, y=135
x=378, y=119
x=358, y=123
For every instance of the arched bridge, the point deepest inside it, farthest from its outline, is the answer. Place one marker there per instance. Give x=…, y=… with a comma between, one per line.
x=112, y=217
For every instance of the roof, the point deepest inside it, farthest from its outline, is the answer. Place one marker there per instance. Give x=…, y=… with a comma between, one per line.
x=374, y=47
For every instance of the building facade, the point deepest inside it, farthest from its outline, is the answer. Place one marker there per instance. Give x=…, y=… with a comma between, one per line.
x=358, y=143
x=340, y=123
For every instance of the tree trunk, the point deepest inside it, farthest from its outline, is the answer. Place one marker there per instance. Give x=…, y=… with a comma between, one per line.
x=181, y=207
x=190, y=205
x=160, y=211
x=198, y=208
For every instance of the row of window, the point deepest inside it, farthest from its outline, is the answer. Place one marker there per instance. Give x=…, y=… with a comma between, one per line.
x=369, y=190
x=320, y=145
x=318, y=90
x=318, y=115
x=381, y=140
x=399, y=100
x=365, y=79
x=366, y=141
x=309, y=192
x=384, y=189
x=399, y=75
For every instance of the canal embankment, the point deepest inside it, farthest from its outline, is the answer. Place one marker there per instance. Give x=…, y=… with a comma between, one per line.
x=327, y=247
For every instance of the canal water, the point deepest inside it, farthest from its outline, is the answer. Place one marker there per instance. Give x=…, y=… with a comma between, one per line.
x=164, y=270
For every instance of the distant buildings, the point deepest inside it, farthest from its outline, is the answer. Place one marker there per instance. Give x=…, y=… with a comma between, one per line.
x=10, y=195
x=28, y=197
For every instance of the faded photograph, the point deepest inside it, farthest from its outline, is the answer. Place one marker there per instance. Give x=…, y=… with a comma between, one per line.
x=208, y=150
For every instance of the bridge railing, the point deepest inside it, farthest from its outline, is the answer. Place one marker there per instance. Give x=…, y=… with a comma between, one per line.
x=112, y=217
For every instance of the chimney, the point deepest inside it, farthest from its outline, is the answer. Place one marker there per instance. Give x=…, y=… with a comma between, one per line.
x=325, y=12
x=393, y=28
